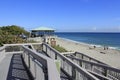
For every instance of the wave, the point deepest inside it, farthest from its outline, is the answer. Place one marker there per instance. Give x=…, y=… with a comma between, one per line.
x=78, y=42
x=115, y=48
x=83, y=43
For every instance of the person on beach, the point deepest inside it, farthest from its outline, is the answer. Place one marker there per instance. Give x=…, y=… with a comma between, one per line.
x=94, y=47
x=104, y=47
x=107, y=47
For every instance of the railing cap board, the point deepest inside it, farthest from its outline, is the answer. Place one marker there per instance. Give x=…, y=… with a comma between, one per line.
x=22, y=44
x=15, y=52
x=52, y=71
x=83, y=71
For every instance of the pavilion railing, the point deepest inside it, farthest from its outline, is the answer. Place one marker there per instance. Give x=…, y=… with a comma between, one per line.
x=74, y=71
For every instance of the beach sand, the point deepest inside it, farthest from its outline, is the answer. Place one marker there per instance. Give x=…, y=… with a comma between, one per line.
x=110, y=56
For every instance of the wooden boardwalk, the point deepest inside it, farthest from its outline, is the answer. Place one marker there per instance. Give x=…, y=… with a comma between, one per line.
x=13, y=68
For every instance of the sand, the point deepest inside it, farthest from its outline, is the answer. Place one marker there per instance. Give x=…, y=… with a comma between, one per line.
x=110, y=56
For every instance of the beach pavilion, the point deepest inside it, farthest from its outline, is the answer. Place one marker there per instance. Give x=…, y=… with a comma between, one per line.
x=42, y=31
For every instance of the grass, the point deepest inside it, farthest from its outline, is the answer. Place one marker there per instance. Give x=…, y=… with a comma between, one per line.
x=59, y=48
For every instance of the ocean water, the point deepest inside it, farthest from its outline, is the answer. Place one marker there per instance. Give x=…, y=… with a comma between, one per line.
x=100, y=39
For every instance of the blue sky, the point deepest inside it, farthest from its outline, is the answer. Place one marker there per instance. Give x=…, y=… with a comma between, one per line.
x=62, y=15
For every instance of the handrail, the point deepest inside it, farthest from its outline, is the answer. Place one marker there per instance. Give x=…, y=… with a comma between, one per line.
x=46, y=62
x=96, y=64
x=78, y=68
x=105, y=67
x=21, y=44
x=89, y=57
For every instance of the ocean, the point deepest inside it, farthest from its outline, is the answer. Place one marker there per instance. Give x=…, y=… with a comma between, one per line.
x=99, y=39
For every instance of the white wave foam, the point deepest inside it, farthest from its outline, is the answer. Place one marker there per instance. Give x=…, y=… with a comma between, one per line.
x=96, y=45
x=74, y=41
x=83, y=43
x=113, y=47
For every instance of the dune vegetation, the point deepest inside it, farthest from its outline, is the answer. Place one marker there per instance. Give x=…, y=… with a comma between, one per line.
x=11, y=34
x=59, y=48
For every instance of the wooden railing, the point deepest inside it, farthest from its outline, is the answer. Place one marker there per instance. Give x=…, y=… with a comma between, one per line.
x=40, y=66
x=74, y=71
x=102, y=71
x=2, y=52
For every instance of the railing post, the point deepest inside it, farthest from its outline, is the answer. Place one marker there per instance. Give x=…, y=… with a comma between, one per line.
x=42, y=46
x=80, y=63
x=45, y=73
x=49, y=52
x=91, y=67
x=91, y=64
x=23, y=54
x=63, y=64
x=35, y=69
x=75, y=54
x=55, y=56
x=73, y=73
x=28, y=61
x=82, y=56
x=105, y=72
x=46, y=48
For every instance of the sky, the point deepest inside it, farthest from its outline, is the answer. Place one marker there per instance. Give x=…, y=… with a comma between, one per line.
x=62, y=15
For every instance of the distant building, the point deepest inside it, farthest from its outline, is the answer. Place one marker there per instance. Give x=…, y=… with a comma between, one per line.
x=42, y=31
x=47, y=34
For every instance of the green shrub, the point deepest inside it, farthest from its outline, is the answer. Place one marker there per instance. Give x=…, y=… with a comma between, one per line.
x=59, y=48
x=10, y=34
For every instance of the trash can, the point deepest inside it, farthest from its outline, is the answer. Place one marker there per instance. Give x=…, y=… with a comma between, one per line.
x=53, y=42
